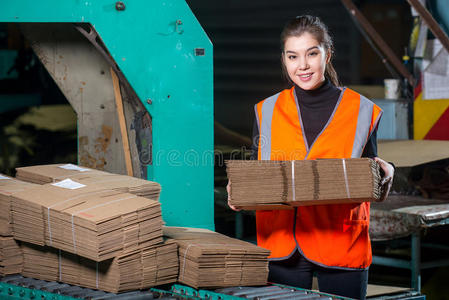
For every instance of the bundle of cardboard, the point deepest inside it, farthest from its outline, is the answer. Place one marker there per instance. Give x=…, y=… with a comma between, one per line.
x=57, y=172
x=282, y=184
x=8, y=186
x=209, y=259
x=132, y=271
x=10, y=253
x=10, y=256
x=86, y=220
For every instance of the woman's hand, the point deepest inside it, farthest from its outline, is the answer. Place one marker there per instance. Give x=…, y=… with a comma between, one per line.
x=228, y=189
x=386, y=181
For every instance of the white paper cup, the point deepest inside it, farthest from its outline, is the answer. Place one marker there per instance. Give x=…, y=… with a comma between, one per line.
x=392, y=88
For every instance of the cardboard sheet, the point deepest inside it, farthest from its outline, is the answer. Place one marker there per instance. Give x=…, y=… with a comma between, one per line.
x=43, y=174
x=409, y=153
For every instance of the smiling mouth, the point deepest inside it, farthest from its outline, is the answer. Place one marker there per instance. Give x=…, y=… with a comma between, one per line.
x=305, y=76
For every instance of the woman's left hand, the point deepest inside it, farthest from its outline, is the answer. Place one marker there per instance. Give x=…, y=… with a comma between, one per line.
x=387, y=180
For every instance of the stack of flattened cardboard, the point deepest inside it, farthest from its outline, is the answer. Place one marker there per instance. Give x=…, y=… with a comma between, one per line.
x=42, y=174
x=40, y=262
x=52, y=173
x=210, y=259
x=280, y=184
x=132, y=271
x=10, y=253
x=86, y=220
x=8, y=186
x=11, y=259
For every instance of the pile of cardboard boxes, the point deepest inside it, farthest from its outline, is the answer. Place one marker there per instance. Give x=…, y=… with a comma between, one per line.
x=104, y=231
x=209, y=259
x=140, y=269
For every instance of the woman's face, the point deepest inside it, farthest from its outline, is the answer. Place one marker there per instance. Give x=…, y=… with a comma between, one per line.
x=305, y=61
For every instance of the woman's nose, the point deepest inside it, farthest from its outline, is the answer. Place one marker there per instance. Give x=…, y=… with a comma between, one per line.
x=303, y=64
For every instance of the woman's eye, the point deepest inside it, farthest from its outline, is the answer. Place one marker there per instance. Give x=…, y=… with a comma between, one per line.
x=291, y=57
x=313, y=53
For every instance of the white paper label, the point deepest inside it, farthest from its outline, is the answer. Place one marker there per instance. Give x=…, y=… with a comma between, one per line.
x=69, y=184
x=73, y=167
x=4, y=177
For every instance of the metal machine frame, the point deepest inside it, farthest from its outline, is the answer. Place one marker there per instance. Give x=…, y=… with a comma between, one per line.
x=165, y=58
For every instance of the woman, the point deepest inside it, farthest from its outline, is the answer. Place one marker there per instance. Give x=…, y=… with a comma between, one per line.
x=316, y=119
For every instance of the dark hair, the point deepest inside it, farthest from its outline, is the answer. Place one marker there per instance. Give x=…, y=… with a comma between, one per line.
x=318, y=29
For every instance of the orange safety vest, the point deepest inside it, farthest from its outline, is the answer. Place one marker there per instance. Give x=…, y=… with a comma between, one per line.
x=329, y=235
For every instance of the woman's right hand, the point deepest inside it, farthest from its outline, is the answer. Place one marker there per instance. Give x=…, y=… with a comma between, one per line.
x=228, y=189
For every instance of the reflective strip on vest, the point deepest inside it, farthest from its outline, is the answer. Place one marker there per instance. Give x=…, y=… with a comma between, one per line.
x=361, y=135
x=265, y=127
x=363, y=127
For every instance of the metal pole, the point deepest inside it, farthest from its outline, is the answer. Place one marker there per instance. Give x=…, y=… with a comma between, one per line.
x=430, y=21
x=372, y=33
x=416, y=261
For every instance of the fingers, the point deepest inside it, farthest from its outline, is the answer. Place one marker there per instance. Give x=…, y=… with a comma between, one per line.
x=386, y=167
x=234, y=208
x=228, y=189
x=387, y=180
x=385, y=190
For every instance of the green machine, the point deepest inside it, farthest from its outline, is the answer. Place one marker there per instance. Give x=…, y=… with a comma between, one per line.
x=164, y=62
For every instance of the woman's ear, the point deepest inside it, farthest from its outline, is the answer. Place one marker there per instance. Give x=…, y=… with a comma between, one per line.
x=328, y=56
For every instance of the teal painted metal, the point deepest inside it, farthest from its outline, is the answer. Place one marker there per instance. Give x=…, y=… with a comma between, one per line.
x=178, y=295
x=184, y=290
x=153, y=43
x=179, y=289
x=14, y=292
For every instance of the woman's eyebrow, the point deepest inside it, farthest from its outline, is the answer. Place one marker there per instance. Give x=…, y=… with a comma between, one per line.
x=311, y=48
x=294, y=52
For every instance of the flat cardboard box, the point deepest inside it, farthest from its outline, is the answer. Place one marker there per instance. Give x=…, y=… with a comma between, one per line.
x=140, y=269
x=261, y=184
x=11, y=259
x=43, y=174
x=88, y=221
x=210, y=260
x=279, y=206
x=8, y=186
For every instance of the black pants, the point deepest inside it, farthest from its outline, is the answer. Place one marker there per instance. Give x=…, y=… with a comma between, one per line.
x=297, y=271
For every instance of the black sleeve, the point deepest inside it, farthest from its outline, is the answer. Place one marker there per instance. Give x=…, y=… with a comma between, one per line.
x=371, y=146
x=255, y=139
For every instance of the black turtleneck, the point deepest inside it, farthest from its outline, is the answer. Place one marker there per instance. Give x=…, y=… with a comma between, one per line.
x=316, y=107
